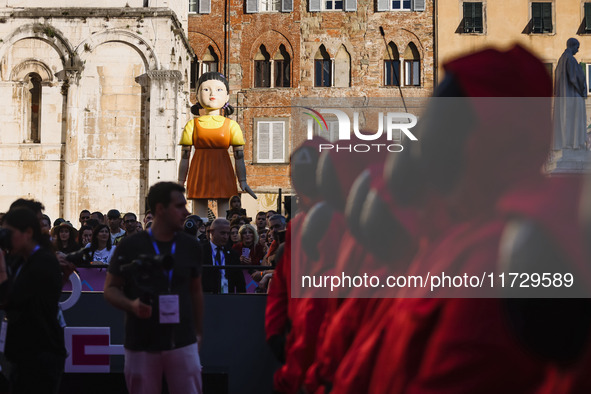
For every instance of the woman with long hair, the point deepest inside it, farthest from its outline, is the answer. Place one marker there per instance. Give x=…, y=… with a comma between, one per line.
x=251, y=253
x=30, y=288
x=64, y=238
x=263, y=240
x=235, y=204
x=100, y=245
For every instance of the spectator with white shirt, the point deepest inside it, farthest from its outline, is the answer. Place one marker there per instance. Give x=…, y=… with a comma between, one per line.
x=101, y=247
x=114, y=222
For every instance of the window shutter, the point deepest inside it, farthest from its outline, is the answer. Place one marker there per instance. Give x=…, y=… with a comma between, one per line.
x=382, y=5
x=547, y=16
x=194, y=75
x=468, y=21
x=587, y=76
x=192, y=5
x=331, y=75
x=418, y=5
x=416, y=73
x=278, y=142
x=536, y=15
x=478, y=15
x=263, y=140
x=350, y=5
x=252, y=6
x=204, y=6
x=267, y=74
x=587, y=16
x=286, y=5
x=314, y=6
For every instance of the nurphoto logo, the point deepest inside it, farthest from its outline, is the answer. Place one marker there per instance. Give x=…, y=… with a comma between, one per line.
x=394, y=124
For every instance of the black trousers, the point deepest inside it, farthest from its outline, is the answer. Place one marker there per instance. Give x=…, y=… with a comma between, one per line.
x=40, y=373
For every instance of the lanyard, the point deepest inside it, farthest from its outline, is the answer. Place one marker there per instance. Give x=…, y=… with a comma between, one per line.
x=157, y=250
x=35, y=249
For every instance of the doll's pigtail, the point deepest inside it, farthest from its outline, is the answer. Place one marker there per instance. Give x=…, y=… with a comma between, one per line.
x=195, y=109
x=228, y=109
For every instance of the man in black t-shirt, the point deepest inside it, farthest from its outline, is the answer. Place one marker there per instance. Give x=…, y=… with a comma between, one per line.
x=163, y=301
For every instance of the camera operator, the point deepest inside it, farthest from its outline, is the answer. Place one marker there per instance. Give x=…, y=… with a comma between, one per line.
x=163, y=325
x=30, y=288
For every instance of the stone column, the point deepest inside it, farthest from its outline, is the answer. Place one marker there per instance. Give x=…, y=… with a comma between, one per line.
x=69, y=181
x=162, y=102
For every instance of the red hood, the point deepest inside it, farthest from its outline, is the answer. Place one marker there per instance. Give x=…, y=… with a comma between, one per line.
x=348, y=165
x=303, y=165
x=511, y=139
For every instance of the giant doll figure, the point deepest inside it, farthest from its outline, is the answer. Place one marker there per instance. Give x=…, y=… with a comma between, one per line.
x=211, y=175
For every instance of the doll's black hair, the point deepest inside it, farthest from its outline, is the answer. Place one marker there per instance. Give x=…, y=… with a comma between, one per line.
x=208, y=76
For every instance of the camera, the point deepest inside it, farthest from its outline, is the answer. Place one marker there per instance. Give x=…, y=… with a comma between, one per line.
x=192, y=223
x=190, y=227
x=80, y=258
x=5, y=239
x=148, y=264
x=148, y=273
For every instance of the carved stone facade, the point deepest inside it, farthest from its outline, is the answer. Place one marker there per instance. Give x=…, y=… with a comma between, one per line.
x=94, y=100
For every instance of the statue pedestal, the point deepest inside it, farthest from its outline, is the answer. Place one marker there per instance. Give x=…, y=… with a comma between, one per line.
x=569, y=161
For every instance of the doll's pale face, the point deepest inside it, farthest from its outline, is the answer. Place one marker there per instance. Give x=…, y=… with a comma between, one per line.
x=213, y=94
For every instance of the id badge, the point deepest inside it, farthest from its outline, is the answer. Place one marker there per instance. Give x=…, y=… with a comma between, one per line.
x=169, y=309
x=60, y=317
x=3, y=329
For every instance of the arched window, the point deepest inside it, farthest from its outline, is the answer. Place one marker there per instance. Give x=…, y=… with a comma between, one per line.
x=194, y=73
x=33, y=81
x=262, y=68
x=282, y=62
x=210, y=60
x=412, y=66
x=322, y=68
x=342, y=68
x=391, y=66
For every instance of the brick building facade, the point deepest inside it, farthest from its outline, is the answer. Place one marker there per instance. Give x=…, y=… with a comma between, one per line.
x=275, y=51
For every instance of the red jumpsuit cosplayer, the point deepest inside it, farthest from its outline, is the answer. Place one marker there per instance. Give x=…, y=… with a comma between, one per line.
x=281, y=308
x=355, y=361
x=455, y=345
x=359, y=255
x=319, y=238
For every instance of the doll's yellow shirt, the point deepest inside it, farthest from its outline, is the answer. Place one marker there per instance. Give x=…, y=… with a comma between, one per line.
x=212, y=122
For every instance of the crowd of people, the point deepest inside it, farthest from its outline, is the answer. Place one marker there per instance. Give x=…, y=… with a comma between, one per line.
x=248, y=243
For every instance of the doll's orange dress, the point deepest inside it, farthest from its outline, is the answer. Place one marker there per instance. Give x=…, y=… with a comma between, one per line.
x=211, y=175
